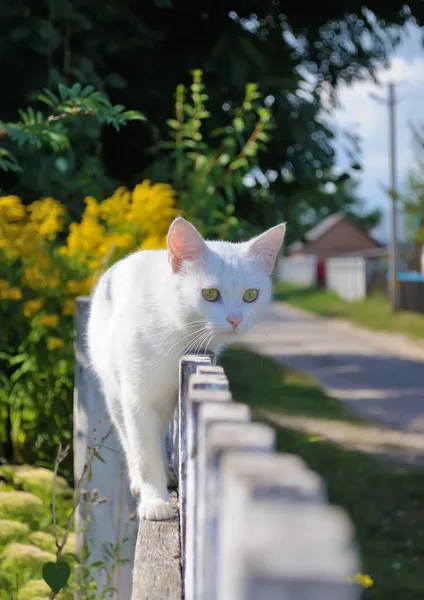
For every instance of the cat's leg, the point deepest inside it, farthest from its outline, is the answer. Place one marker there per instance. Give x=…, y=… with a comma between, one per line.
x=143, y=428
x=117, y=418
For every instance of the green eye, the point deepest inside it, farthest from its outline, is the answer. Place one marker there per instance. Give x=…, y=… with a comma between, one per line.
x=211, y=295
x=250, y=295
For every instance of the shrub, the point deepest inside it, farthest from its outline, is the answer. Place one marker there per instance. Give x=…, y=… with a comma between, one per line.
x=44, y=541
x=43, y=267
x=23, y=559
x=12, y=531
x=39, y=481
x=21, y=506
x=36, y=589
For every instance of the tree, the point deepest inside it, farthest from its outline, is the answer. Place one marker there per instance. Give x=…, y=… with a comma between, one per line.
x=140, y=52
x=413, y=199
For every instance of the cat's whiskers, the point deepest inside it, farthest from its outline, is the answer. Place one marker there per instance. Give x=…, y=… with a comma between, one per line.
x=177, y=329
x=157, y=364
x=198, y=345
x=187, y=347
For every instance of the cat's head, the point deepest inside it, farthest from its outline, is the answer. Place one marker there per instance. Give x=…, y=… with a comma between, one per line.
x=221, y=286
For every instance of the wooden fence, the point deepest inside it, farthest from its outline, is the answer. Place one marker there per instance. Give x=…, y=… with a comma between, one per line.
x=301, y=270
x=253, y=524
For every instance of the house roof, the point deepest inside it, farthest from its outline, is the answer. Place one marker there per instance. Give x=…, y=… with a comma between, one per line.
x=324, y=226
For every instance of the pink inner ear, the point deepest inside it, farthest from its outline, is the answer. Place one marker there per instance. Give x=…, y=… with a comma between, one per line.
x=184, y=243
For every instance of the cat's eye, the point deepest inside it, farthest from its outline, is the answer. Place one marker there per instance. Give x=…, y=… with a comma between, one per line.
x=250, y=295
x=211, y=295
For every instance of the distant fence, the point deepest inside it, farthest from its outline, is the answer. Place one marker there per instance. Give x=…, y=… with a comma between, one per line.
x=347, y=276
x=301, y=270
x=355, y=277
x=411, y=292
x=254, y=524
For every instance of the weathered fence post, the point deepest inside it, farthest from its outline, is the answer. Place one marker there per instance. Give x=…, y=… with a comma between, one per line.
x=107, y=523
x=209, y=384
x=188, y=366
x=292, y=551
x=245, y=477
x=209, y=414
x=222, y=439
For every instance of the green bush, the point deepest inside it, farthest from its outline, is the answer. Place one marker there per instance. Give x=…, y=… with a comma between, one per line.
x=39, y=481
x=23, y=560
x=21, y=506
x=43, y=540
x=36, y=589
x=12, y=531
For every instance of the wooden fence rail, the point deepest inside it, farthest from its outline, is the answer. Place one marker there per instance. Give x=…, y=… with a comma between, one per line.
x=253, y=524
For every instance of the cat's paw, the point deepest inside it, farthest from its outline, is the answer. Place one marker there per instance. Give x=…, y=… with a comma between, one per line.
x=156, y=509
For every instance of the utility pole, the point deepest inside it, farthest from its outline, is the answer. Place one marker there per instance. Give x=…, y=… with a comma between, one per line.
x=393, y=247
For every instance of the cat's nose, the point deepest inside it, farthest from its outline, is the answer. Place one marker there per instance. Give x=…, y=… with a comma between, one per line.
x=235, y=321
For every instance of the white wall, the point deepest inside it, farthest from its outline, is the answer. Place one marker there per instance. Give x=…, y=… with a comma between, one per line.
x=298, y=269
x=347, y=277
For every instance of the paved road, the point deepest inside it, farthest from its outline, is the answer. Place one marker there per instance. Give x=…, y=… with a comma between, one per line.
x=370, y=372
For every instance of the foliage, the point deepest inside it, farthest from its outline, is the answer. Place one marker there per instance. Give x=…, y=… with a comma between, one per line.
x=208, y=171
x=413, y=200
x=42, y=271
x=42, y=538
x=36, y=129
x=289, y=50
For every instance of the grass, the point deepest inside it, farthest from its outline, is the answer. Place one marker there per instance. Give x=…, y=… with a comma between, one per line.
x=374, y=313
x=385, y=501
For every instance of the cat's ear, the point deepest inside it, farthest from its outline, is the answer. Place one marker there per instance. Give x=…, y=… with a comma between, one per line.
x=267, y=246
x=184, y=243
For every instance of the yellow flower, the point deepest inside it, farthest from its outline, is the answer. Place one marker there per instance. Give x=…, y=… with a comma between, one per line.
x=11, y=208
x=361, y=579
x=49, y=320
x=79, y=288
x=68, y=307
x=48, y=214
x=54, y=342
x=36, y=278
x=32, y=307
x=7, y=292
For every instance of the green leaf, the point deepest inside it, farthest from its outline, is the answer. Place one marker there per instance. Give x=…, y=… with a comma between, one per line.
x=172, y=123
x=238, y=124
x=97, y=564
x=72, y=555
x=97, y=455
x=56, y=575
x=63, y=91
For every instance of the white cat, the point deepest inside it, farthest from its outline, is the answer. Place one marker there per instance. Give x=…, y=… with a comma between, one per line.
x=153, y=307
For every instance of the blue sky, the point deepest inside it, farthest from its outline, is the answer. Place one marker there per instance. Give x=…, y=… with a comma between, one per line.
x=369, y=119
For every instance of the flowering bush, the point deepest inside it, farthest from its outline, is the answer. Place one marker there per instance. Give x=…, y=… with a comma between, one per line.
x=44, y=265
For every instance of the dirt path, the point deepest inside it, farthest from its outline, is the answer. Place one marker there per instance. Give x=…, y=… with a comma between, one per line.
x=379, y=376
